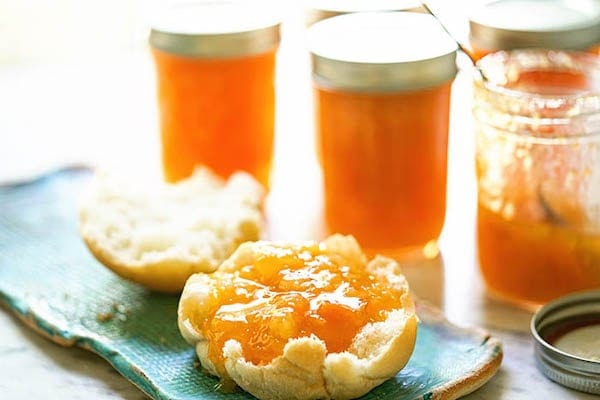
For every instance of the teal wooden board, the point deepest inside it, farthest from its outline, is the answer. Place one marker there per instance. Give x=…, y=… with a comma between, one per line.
x=49, y=279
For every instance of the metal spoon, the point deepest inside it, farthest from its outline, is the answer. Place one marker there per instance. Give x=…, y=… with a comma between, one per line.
x=459, y=44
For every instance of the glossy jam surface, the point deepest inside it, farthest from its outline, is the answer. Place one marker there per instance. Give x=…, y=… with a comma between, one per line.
x=291, y=293
x=216, y=112
x=384, y=164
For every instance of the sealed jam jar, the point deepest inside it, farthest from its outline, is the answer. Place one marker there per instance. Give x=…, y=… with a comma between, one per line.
x=537, y=119
x=215, y=64
x=547, y=24
x=382, y=96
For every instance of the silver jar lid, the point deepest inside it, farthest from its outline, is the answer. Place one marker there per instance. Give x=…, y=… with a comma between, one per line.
x=567, y=333
x=321, y=9
x=216, y=29
x=381, y=51
x=555, y=24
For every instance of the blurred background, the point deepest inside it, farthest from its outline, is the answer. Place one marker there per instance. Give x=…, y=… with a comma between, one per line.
x=77, y=84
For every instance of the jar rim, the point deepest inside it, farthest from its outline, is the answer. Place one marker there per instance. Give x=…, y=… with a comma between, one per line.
x=573, y=114
x=493, y=60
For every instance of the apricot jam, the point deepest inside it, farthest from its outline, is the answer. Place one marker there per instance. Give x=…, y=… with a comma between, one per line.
x=217, y=112
x=291, y=293
x=544, y=82
x=384, y=164
x=534, y=262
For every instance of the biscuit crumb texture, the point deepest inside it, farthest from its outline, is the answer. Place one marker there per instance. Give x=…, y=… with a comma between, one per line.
x=158, y=236
x=306, y=370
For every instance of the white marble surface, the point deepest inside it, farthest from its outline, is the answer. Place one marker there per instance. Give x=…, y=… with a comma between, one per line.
x=104, y=112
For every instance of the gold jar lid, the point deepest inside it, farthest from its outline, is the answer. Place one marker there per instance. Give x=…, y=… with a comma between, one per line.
x=551, y=24
x=321, y=9
x=381, y=51
x=216, y=29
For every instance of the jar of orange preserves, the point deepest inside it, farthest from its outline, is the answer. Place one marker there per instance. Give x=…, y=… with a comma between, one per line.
x=215, y=64
x=382, y=95
x=547, y=24
x=537, y=120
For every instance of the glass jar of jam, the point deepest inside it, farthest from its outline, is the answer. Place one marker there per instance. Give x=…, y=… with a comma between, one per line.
x=547, y=24
x=382, y=96
x=321, y=9
x=537, y=117
x=215, y=64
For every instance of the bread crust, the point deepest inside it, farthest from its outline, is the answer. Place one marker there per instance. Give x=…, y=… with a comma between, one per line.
x=305, y=370
x=110, y=209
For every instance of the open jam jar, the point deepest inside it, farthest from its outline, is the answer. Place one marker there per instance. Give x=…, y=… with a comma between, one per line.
x=538, y=166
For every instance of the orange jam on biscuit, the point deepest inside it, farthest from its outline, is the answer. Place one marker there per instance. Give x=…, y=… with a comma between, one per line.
x=291, y=292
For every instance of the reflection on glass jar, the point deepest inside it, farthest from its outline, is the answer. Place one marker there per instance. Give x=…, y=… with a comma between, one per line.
x=542, y=24
x=382, y=109
x=215, y=65
x=538, y=166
